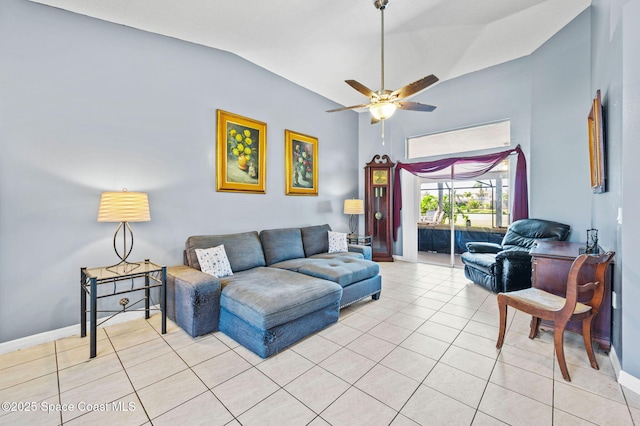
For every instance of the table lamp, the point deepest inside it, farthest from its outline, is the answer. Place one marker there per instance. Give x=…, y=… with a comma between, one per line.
x=353, y=207
x=124, y=207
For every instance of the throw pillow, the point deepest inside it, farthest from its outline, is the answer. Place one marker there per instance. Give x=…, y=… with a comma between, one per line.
x=214, y=261
x=337, y=242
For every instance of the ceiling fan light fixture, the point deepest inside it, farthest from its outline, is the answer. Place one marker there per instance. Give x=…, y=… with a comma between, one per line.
x=383, y=110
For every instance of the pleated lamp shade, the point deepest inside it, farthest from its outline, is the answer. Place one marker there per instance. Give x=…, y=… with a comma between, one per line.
x=353, y=206
x=124, y=206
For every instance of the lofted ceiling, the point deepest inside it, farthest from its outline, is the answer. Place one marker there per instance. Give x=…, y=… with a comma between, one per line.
x=319, y=44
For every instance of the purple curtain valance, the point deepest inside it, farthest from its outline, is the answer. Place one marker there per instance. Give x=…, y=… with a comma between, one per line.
x=468, y=168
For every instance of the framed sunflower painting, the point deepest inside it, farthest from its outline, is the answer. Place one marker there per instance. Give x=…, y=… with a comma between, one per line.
x=241, y=154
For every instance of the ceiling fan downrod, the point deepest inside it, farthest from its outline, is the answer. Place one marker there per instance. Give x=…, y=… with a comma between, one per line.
x=381, y=5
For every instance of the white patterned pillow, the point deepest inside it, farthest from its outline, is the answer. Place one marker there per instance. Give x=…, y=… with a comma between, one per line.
x=214, y=261
x=337, y=242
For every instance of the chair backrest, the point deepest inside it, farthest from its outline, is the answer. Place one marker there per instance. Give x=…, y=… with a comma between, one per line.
x=437, y=218
x=576, y=286
x=432, y=217
x=428, y=216
x=525, y=232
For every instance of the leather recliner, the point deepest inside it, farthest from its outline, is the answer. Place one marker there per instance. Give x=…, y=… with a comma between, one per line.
x=507, y=266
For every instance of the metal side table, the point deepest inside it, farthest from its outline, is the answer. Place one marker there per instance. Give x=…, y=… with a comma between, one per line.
x=92, y=279
x=363, y=240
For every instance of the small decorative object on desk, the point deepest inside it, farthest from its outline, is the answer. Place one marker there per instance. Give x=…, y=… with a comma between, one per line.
x=592, y=243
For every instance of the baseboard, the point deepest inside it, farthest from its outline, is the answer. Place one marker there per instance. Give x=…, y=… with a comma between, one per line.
x=613, y=356
x=625, y=379
x=630, y=382
x=49, y=336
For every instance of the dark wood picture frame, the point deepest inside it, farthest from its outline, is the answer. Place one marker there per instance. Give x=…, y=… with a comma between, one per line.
x=596, y=146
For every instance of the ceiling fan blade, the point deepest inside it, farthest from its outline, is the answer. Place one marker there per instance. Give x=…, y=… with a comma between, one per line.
x=415, y=87
x=361, y=88
x=349, y=107
x=415, y=106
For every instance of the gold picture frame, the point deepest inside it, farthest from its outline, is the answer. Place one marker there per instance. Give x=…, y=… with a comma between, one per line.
x=241, y=154
x=301, y=164
x=596, y=146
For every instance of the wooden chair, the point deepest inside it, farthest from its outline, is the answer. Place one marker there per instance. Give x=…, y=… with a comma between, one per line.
x=546, y=306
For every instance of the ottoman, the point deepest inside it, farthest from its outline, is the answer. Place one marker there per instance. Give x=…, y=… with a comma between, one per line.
x=358, y=278
x=269, y=309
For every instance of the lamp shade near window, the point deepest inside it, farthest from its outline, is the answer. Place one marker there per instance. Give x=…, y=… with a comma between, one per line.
x=124, y=207
x=353, y=207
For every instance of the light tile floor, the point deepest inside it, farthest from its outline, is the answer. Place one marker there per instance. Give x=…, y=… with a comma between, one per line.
x=423, y=354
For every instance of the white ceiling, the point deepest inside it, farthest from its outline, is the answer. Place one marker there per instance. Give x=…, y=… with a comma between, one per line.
x=319, y=44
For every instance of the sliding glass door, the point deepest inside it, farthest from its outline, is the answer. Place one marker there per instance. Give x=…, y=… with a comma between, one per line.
x=454, y=212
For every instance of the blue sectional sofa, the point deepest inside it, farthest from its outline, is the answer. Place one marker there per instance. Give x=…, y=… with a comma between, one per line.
x=285, y=286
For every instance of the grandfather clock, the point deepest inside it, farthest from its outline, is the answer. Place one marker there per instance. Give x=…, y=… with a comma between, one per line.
x=378, y=177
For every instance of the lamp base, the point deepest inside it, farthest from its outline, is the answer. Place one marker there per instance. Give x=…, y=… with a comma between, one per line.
x=353, y=224
x=123, y=267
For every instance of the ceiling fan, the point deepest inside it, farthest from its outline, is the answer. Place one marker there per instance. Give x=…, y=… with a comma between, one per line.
x=383, y=103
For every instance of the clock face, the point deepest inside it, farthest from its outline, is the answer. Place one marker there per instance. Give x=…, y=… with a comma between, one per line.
x=380, y=177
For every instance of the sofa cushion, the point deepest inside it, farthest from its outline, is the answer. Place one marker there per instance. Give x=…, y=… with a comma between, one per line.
x=296, y=264
x=355, y=255
x=244, y=250
x=281, y=244
x=341, y=270
x=268, y=297
x=315, y=239
x=291, y=264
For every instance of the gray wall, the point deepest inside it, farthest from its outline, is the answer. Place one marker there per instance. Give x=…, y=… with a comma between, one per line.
x=606, y=76
x=560, y=102
x=630, y=16
x=88, y=106
x=615, y=67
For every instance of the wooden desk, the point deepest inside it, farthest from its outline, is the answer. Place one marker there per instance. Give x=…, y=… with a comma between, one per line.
x=551, y=261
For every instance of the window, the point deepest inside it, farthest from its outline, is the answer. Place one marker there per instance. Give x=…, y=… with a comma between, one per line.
x=461, y=141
